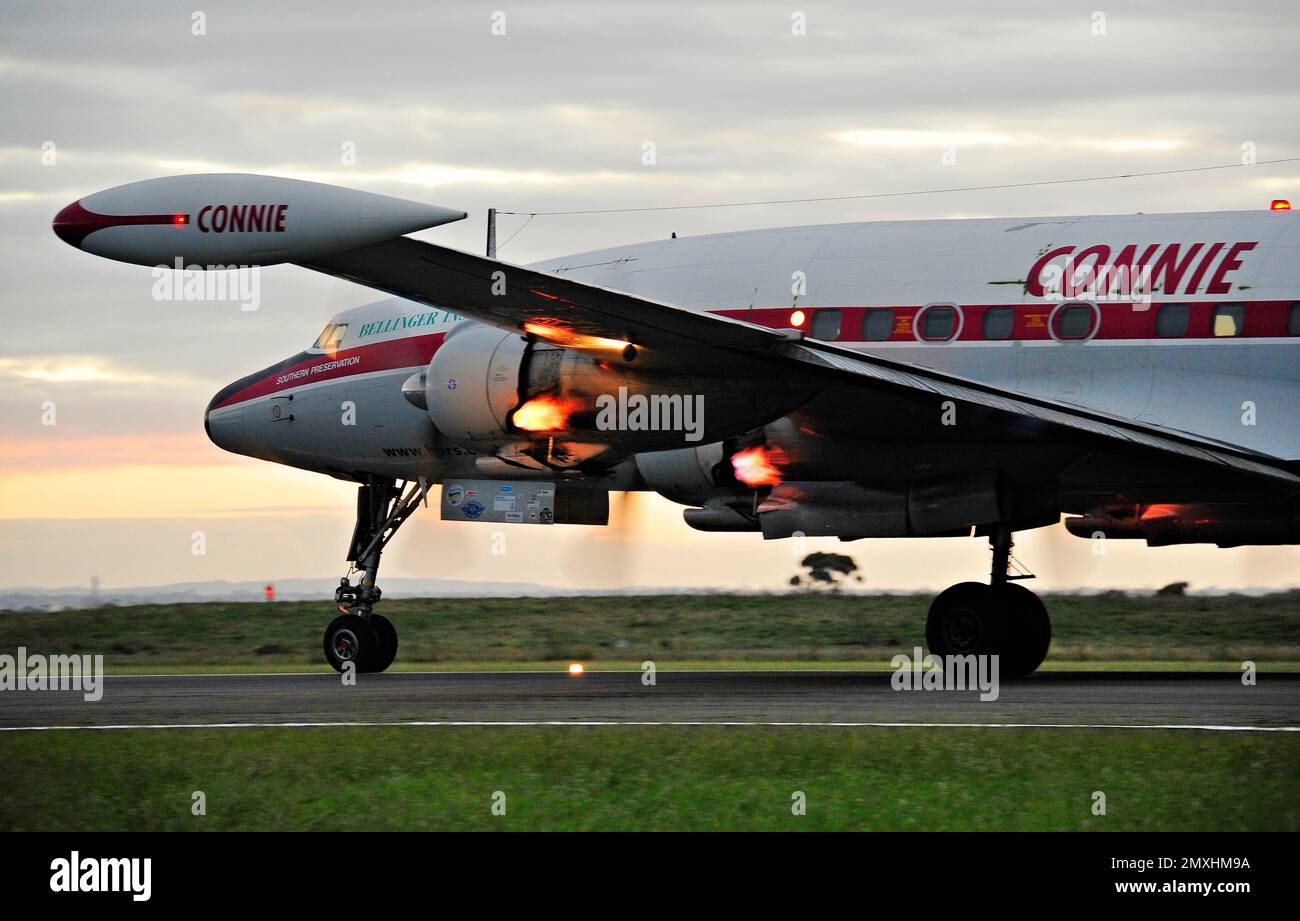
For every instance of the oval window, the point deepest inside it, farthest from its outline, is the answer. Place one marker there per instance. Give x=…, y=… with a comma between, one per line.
x=937, y=323
x=1073, y=321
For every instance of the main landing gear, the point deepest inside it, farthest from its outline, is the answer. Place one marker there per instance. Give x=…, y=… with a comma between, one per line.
x=1002, y=618
x=360, y=636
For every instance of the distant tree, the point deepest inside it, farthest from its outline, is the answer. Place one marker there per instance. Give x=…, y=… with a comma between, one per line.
x=826, y=570
x=1172, y=590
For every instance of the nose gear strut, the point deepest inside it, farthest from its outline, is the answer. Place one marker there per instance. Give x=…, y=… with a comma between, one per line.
x=359, y=635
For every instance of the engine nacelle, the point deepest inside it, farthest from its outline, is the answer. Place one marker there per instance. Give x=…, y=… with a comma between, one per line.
x=686, y=475
x=500, y=393
x=1225, y=525
x=471, y=386
x=950, y=506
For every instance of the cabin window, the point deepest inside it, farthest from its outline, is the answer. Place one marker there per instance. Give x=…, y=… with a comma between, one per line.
x=878, y=324
x=331, y=336
x=826, y=325
x=1228, y=319
x=1073, y=321
x=1171, y=320
x=1293, y=321
x=938, y=323
x=999, y=322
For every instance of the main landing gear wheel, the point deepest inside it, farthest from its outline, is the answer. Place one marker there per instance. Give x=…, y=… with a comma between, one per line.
x=965, y=621
x=349, y=639
x=386, y=633
x=1029, y=631
x=1003, y=619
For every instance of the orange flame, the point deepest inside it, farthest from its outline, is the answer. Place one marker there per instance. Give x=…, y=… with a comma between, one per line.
x=1154, y=512
x=560, y=334
x=756, y=466
x=542, y=414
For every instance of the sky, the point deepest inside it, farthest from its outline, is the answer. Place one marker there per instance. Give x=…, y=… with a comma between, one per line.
x=543, y=107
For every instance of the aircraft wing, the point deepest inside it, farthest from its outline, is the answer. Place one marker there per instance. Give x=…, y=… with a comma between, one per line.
x=450, y=279
x=567, y=311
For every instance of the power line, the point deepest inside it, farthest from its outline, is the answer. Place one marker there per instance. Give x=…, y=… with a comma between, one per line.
x=517, y=232
x=971, y=188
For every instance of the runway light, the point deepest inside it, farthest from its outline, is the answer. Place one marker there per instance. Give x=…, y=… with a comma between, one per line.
x=1280, y=204
x=797, y=318
x=576, y=669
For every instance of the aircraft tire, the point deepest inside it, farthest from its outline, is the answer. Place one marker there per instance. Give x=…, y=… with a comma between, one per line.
x=1029, y=631
x=965, y=619
x=387, y=636
x=349, y=638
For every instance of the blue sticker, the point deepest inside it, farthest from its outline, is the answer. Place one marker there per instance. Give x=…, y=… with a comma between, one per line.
x=473, y=510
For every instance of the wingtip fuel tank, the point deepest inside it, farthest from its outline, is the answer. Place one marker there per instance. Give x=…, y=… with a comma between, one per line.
x=224, y=220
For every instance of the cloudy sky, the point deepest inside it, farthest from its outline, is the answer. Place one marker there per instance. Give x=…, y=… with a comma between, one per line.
x=552, y=115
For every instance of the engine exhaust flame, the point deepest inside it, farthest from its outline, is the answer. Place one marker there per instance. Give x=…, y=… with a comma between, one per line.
x=542, y=414
x=756, y=466
x=563, y=335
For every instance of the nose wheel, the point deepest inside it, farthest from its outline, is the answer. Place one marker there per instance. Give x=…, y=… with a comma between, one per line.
x=360, y=638
x=369, y=644
x=1003, y=618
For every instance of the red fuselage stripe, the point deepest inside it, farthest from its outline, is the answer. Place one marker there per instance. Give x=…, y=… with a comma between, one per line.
x=1262, y=319
x=409, y=352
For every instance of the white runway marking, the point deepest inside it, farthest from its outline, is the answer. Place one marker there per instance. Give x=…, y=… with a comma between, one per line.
x=599, y=723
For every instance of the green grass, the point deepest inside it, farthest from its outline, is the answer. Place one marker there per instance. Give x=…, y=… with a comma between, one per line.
x=647, y=778
x=675, y=631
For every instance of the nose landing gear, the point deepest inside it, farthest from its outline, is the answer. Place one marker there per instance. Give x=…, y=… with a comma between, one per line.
x=1002, y=618
x=360, y=636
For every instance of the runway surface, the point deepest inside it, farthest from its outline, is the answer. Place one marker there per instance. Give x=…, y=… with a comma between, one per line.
x=1111, y=699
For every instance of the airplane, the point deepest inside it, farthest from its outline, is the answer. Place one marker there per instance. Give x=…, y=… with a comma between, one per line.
x=932, y=378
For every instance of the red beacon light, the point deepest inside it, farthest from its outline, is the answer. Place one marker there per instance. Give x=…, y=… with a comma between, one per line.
x=179, y=219
x=1280, y=204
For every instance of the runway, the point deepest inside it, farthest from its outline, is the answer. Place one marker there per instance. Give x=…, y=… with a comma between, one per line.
x=1181, y=700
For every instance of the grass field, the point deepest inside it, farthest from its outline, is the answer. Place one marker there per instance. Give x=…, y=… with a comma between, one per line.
x=804, y=631
x=630, y=778
x=653, y=777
